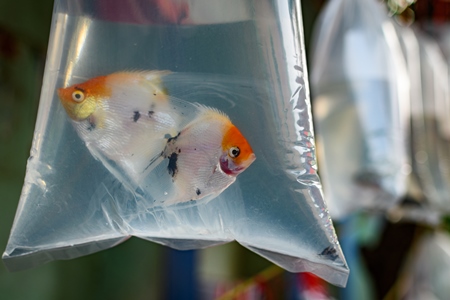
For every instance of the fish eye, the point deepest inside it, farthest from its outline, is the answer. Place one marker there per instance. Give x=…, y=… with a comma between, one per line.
x=78, y=96
x=234, y=152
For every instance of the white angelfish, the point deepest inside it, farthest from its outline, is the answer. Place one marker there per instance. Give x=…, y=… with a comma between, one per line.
x=123, y=117
x=128, y=118
x=206, y=156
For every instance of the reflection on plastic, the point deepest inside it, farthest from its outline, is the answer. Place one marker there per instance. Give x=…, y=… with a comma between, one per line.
x=74, y=203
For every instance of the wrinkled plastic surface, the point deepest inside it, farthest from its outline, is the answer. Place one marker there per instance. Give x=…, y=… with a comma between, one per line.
x=250, y=64
x=360, y=88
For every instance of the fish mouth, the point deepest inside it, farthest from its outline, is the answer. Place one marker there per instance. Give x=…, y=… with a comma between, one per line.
x=230, y=168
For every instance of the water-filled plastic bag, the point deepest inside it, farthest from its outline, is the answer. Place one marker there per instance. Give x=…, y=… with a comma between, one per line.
x=430, y=115
x=186, y=123
x=361, y=107
x=428, y=137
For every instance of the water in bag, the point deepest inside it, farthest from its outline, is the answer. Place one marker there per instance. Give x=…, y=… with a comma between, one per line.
x=243, y=62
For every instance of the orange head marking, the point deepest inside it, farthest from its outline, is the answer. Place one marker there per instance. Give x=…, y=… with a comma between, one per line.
x=80, y=100
x=239, y=153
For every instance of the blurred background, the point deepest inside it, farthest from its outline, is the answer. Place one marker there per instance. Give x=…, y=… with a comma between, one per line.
x=397, y=252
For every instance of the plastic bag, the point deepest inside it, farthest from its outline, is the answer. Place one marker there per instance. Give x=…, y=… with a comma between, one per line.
x=360, y=88
x=441, y=33
x=430, y=112
x=426, y=189
x=248, y=66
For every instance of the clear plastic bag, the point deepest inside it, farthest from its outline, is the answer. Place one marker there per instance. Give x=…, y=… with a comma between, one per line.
x=427, y=138
x=360, y=106
x=79, y=197
x=441, y=33
x=430, y=112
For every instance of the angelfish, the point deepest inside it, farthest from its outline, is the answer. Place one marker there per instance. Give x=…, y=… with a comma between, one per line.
x=127, y=118
x=206, y=156
x=122, y=117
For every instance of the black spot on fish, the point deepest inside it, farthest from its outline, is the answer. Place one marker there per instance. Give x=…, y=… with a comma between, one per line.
x=171, y=139
x=91, y=125
x=198, y=192
x=150, y=113
x=329, y=252
x=179, y=150
x=172, y=166
x=136, y=116
x=154, y=94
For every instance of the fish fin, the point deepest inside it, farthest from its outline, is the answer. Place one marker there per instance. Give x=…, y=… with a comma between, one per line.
x=131, y=168
x=113, y=168
x=126, y=149
x=159, y=185
x=155, y=76
x=185, y=112
x=207, y=109
x=142, y=159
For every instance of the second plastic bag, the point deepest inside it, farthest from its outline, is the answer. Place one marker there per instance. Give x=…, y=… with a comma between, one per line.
x=361, y=106
x=431, y=130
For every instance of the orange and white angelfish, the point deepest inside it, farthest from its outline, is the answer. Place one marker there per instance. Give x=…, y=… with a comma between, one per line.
x=128, y=118
x=122, y=117
x=206, y=156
